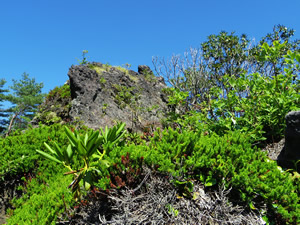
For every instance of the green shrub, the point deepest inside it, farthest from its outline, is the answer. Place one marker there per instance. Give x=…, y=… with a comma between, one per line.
x=255, y=104
x=213, y=159
x=42, y=202
x=252, y=103
x=17, y=152
x=59, y=92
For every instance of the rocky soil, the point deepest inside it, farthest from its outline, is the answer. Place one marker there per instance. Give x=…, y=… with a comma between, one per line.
x=157, y=201
x=274, y=149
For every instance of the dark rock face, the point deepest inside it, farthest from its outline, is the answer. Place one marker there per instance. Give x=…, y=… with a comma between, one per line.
x=102, y=95
x=290, y=153
x=143, y=69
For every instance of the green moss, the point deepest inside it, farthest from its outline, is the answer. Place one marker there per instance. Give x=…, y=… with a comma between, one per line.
x=150, y=77
x=126, y=71
x=120, y=68
x=133, y=78
x=107, y=67
x=52, y=117
x=102, y=80
x=104, y=107
x=100, y=69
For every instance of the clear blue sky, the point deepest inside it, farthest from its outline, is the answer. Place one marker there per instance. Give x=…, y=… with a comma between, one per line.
x=44, y=37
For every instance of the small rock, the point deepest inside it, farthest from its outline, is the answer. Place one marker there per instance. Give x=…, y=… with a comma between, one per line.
x=290, y=153
x=143, y=69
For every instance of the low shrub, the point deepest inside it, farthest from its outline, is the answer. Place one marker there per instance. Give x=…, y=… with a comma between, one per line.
x=215, y=159
x=42, y=201
x=17, y=152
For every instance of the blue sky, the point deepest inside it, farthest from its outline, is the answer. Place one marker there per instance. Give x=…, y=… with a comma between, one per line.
x=44, y=38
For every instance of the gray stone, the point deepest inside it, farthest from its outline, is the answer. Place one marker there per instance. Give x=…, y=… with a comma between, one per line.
x=290, y=153
x=97, y=92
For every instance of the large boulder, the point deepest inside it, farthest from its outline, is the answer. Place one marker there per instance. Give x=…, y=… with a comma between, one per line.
x=103, y=95
x=290, y=153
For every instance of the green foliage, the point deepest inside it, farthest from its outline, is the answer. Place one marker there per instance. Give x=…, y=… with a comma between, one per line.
x=231, y=159
x=59, y=92
x=84, y=59
x=107, y=68
x=102, y=81
x=149, y=76
x=104, y=108
x=125, y=95
x=88, y=149
x=48, y=117
x=215, y=159
x=3, y=114
x=100, y=69
x=27, y=95
x=172, y=210
x=178, y=103
x=215, y=143
x=271, y=53
x=227, y=54
x=18, y=155
x=255, y=103
x=292, y=60
x=185, y=187
x=122, y=69
x=177, y=97
x=56, y=107
x=42, y=201
x=275, y=66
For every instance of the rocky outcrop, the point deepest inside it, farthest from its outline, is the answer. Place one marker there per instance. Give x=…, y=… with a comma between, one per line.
x=290, y=153
x=102, y=95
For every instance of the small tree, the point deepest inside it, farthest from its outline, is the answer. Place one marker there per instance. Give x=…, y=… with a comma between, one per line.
x=25, y=100
x=276, y=65
x=3, y=113
x=201, y=69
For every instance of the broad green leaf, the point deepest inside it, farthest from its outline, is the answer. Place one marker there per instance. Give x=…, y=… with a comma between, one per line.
x=81, y=149
x=87, y=180
x=70, y=152
x=210, y=182
x=58, y=150
x=86, y=138
x=105, y=163
x=57, y=154
x=94, y=134
x=90, y=143
x=252, y=206
x=71, y=137
x=49, y=156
